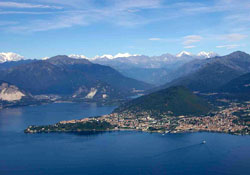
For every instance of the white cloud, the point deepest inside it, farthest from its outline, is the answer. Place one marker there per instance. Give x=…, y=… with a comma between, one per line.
x=123, y=12
x=234, y=37
x=56, y=23
x=217, y=6
x=154, y=39
x=78, y=4
x=25, y=12
x=190, y=39
x=228, y=46
x=86, y=12
x=25, y=5
x=5, y=23
x=133, y=4
x=189, y=47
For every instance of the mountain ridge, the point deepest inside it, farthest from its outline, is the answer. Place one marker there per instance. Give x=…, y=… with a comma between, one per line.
x=72, y=77
x=211, y=74
x=239, y=85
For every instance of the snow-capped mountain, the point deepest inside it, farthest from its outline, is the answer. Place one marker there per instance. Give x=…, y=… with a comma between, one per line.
x=201, y=54
x=44, y=58
x=143, y=61
x=121, y=57
x=207, y=54
x=105, y=56
x=9, y=56
x=111, y=57
x=77, y=56
x=151, y=69
x=184, y=53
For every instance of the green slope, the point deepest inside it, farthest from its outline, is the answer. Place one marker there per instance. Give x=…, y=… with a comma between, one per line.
x=178, y=100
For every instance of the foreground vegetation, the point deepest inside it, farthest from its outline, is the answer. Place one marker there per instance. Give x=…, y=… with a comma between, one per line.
x=91, y=125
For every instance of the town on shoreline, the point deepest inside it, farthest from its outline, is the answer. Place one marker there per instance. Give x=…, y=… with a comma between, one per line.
x=232, y=119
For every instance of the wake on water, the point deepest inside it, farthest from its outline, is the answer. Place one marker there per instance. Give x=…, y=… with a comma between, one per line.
x=183, y=148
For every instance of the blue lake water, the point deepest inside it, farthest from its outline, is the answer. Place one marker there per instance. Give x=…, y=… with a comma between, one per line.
x=111, y=153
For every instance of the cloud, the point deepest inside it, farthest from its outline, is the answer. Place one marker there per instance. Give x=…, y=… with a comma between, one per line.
x=78, y=4
x=81, y=13
x=154, y=39
x=213, y=7
x=190, y=39
x=238, y=18
x=123, y=12
x=25, y=5
x=228, y=46
x=134, y=4
x=25, y=13
x=189, y=47
x=234, y=37
x=5, y=23
x=57, y=23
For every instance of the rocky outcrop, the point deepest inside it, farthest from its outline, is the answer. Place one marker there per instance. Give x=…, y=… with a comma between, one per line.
x=10, y=93
x=98, y=92
x=92, y=93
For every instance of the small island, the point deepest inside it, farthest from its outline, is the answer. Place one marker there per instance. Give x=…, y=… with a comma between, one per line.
x=172, y=110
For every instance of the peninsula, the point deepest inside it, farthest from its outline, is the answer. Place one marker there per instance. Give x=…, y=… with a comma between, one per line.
x=172, y=110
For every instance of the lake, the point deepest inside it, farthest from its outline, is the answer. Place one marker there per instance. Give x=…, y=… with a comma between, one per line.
x=111, y=153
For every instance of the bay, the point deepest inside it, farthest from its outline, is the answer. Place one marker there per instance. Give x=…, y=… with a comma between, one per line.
x=118, y=153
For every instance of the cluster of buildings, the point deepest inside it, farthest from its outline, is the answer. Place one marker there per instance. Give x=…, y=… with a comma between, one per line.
x=218, y=123
x=223, y=120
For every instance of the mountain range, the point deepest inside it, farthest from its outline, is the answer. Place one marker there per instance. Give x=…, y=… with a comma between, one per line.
x=77, y=76
x=132, y=58
x=157, y=69
x=210, y=74
x=71, y=78
x=151, y=69
x=228, y=77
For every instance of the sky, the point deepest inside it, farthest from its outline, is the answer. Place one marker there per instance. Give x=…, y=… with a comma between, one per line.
x=41, y=28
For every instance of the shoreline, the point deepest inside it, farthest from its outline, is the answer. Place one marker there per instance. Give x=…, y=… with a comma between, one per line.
x=55, y=102
x=134, y=130
x=222, y=121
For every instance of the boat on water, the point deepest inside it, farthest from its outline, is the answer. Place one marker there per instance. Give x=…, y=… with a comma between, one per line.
x=203, y=142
